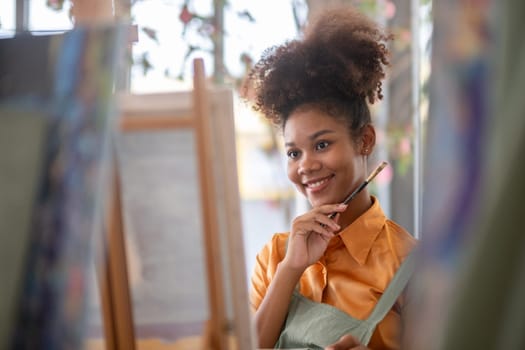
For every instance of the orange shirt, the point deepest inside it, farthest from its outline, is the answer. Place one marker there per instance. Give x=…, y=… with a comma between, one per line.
x=352, y=274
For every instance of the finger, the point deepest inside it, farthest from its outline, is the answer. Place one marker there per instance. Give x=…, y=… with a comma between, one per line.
x=331, y=208
x=326, y=222
x=306, y=236
x=324, y=210
x=316, y=227
x=336, y=218
x=326, y=237
x=344, y=343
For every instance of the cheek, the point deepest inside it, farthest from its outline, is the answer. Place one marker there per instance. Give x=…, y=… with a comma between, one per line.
x=291, y=171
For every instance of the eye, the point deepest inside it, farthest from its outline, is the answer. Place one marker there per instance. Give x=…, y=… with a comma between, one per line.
x=321, y=145
x=292, y=154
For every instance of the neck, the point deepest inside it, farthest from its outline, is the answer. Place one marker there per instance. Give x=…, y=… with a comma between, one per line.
x=361, y=203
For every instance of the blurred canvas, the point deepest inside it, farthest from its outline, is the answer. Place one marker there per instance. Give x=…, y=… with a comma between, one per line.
x=56, y=115
x=470, y=282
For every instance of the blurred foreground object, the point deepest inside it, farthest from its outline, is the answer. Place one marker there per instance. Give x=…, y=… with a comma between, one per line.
x=470, y=285
x=55, y=116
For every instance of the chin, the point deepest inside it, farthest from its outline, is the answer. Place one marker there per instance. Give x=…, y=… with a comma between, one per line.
x=334, y=199
x=317, y=202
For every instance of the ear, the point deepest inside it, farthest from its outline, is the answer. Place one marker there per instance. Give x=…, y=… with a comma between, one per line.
x=368, y=139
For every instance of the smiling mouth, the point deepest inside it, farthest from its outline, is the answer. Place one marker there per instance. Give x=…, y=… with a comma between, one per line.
x=317, y=185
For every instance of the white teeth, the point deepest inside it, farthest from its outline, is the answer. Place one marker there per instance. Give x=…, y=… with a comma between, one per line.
x=316, y=184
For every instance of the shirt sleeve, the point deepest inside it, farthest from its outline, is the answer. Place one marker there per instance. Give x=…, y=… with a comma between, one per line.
x=265, y=266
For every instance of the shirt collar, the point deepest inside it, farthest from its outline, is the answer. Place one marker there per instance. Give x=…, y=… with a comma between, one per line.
x=359, y=236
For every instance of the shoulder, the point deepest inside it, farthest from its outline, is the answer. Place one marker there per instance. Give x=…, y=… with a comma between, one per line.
x=266, y=266
x=398, y=240
x=275, y=249
x=401, y=242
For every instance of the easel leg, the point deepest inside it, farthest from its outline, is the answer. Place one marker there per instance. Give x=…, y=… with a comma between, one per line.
x=113, y=277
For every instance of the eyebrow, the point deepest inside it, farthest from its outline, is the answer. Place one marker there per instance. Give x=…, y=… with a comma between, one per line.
x=313, y=136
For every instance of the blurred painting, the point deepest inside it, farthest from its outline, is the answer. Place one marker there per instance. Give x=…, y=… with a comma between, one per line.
x=56, y=115
x=456, y=150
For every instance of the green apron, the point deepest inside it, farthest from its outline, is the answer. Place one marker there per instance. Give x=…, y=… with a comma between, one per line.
x=315, y=325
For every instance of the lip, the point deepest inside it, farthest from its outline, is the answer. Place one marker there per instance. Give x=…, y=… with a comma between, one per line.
x=317, y=185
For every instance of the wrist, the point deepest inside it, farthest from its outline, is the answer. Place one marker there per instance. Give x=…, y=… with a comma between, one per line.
x=290, y=270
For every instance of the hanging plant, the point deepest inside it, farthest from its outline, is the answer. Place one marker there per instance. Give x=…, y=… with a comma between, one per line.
x=57, y=5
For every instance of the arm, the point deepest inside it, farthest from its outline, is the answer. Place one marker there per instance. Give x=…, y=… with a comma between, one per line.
x=309, y=237
x=271, y=314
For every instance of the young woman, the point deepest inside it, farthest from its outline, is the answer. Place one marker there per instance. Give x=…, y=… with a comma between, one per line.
x=314, y=286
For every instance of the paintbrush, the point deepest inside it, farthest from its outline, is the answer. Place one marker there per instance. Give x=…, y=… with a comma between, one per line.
x=362, y=186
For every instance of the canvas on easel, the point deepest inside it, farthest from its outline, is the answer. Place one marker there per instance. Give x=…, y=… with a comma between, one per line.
x=181, y=217
x=55, y=114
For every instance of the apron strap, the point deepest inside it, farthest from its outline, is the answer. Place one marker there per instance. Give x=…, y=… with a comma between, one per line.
x=394, y=290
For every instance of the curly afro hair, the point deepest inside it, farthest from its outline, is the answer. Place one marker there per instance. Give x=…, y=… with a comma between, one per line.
x=337, y=67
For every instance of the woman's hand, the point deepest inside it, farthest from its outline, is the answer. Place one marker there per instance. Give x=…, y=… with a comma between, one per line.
x=347, y=342
x=310, y=234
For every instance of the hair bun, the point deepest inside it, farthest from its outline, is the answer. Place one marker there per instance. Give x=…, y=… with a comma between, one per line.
x=341, y=58
x=348, y=36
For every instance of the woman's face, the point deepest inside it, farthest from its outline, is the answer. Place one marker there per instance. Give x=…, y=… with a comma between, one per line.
x=323, y=161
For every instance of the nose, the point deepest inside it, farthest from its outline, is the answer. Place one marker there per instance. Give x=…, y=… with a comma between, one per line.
x=308, y=164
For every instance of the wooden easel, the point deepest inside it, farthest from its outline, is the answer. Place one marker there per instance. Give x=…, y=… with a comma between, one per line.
x=215, y=140
x=215, y=145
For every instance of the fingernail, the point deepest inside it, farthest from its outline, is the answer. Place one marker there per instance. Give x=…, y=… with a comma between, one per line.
x=342, y=205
